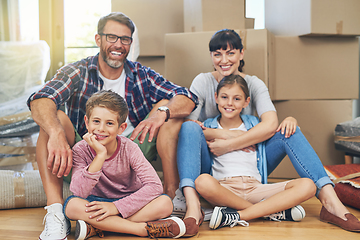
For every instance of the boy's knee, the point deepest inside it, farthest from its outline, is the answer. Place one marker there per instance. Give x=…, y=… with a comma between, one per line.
x=166, y=205
x=72, y=208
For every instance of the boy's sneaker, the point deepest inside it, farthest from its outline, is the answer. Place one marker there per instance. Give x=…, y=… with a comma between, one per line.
x=172, y=227
x=225, y=216
x=56, y=225
x=292, y=214
x=84, y=230
x=179, y=204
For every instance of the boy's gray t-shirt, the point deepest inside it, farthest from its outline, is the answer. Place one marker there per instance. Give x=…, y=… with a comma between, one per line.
x=204, y=86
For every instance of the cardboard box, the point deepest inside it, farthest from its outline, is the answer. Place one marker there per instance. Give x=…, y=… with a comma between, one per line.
x=153, y=19
x=317, y=120
x=249, y=23
x=313, y=17
x=315, y=68
x=213, y=15
x=293, y=68
x=155, y=63
x=187, y=55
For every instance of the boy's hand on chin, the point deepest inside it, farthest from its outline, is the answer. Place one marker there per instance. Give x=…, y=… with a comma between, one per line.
x=94, y=143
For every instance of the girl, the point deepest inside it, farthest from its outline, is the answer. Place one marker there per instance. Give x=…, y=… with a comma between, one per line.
x=226, y=51
x=236, y=175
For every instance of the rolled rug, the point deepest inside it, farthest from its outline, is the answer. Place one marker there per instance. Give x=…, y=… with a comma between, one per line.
x=20, y=189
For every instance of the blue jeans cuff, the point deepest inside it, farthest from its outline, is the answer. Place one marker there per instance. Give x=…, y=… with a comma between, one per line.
x=321, y=183
x=186, y=182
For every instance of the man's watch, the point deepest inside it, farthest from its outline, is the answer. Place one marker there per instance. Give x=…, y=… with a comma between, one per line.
x=165, y=109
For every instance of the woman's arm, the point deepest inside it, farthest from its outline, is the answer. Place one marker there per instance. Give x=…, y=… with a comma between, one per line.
x=261, y=132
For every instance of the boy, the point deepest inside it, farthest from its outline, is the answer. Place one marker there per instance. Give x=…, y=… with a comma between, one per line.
x=115, y=188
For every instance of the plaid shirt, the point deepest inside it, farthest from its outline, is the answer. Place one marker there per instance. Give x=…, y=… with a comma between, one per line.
x=74, y=83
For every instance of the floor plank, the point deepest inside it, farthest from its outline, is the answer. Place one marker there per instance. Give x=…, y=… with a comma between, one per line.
x=26, y=224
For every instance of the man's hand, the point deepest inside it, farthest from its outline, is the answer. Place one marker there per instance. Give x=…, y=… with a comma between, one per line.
x=59, y=155
x=101, y=210
x=150, y=125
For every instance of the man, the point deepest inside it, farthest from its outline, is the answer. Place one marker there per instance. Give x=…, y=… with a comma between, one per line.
x=156, y=109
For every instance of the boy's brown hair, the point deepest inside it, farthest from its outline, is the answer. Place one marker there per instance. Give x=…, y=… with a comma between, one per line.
x=110, y=100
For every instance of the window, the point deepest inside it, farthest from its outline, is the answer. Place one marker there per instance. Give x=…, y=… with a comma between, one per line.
x=80, y=26
x=255, y=9
x=29, y=20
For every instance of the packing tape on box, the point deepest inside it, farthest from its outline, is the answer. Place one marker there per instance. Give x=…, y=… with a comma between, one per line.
x=9, y=160
x=17, y=150
x=21, y=189
x=339, y=27
x=347, y=139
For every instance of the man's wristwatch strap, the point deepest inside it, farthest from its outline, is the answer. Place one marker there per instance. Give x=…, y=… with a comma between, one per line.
x=165, y=109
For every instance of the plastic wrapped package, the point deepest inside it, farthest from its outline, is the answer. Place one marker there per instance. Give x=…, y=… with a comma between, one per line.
x=347, y=137
x=18, y=152
x=18, y=105
x=24, y=189
x=22, y=128
x=15, y=118
x=23, y=65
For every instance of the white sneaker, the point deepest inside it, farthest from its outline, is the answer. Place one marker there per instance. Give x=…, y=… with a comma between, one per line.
x=295, y=214
x=57, y=227
x=179, y=204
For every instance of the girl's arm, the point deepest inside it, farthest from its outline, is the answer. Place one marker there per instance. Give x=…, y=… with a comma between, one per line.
x=261, y=132
x=214, y=133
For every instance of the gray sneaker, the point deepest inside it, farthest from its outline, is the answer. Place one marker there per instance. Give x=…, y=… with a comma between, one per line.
x=294, y=214
x=179, y=204
x=225, y=216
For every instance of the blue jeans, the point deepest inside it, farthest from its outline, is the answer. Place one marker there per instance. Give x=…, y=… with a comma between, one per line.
x=194, y=158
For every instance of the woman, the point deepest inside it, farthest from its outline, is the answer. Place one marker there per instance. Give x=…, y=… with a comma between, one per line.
x=193, y=157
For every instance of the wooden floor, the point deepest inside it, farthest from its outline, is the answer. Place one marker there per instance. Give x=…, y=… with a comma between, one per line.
x=26, y=224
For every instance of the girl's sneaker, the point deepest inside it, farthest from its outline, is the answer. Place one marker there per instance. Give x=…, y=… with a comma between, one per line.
x=295, y=214
x=225, y=216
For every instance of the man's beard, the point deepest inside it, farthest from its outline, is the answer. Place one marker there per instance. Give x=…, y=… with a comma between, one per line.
x=111, y=63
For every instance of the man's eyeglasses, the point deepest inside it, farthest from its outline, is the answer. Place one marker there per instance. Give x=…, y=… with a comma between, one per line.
x=111, y=38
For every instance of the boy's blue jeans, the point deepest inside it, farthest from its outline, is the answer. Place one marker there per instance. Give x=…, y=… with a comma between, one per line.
x=194, y=158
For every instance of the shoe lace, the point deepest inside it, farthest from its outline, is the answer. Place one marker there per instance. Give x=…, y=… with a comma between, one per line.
x=233, y=219
x=158, y=230
x=99, y=232
x=53, y=223
x=277, y=216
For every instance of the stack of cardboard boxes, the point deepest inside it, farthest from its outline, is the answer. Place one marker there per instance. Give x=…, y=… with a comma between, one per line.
x=307, y=55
